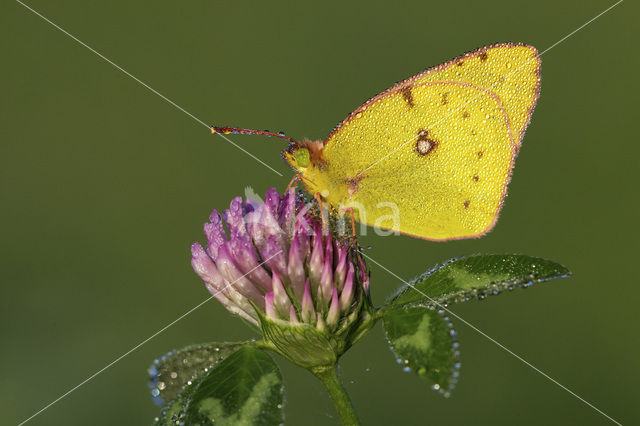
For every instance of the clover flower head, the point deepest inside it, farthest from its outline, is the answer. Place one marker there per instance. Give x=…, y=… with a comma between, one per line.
x=274, y=262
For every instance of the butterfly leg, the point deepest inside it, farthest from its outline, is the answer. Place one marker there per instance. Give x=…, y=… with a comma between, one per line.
x=355, y=238
x=325, y=224
x=352, y=220
x=296, y=178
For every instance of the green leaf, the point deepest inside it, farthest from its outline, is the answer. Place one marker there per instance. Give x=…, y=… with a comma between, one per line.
x=169, y=374
x=476, y=276
x=244, y=389
x=423, y=341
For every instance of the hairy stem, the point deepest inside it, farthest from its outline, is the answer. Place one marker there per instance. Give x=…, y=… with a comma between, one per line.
x=331, y=382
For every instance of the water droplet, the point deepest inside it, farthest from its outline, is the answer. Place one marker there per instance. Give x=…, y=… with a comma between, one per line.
x=406, y=369
x=398, y=360
x=435, y=386
x=174, y=375
x=161, y=385
x=422, y=371
x=155, y=392
x=367, y=369
x=153, y=372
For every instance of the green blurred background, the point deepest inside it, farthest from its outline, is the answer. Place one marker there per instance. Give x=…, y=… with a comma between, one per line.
x=104, y=186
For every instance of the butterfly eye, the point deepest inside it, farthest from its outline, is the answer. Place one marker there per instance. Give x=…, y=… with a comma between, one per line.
x=302, y=157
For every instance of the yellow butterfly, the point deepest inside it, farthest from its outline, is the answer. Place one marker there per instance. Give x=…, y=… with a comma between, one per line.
x=436, y=149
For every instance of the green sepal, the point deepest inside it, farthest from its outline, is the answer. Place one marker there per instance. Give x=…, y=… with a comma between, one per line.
x=307, y=346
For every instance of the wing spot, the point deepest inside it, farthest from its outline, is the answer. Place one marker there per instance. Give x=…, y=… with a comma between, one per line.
x=465, y=114
x=466, y=204
x=460, y=63
x=480, y=154
x=476, y=178
x=484, y=56
x=445, y=99
x=425, y=144
x=408, y=96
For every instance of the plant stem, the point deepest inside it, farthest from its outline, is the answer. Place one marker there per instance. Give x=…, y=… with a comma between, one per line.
x=331, y=382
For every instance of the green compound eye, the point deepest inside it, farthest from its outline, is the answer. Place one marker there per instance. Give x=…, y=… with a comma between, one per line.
x=302, y=157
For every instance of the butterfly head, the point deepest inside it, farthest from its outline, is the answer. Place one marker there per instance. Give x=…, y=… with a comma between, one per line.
x=304, y=154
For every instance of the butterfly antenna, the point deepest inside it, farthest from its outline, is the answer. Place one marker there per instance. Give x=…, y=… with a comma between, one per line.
x=237, y=131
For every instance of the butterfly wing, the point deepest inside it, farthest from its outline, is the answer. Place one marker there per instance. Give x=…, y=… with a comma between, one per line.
x=436, y=155
x=511, y=71
x=474, y=110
